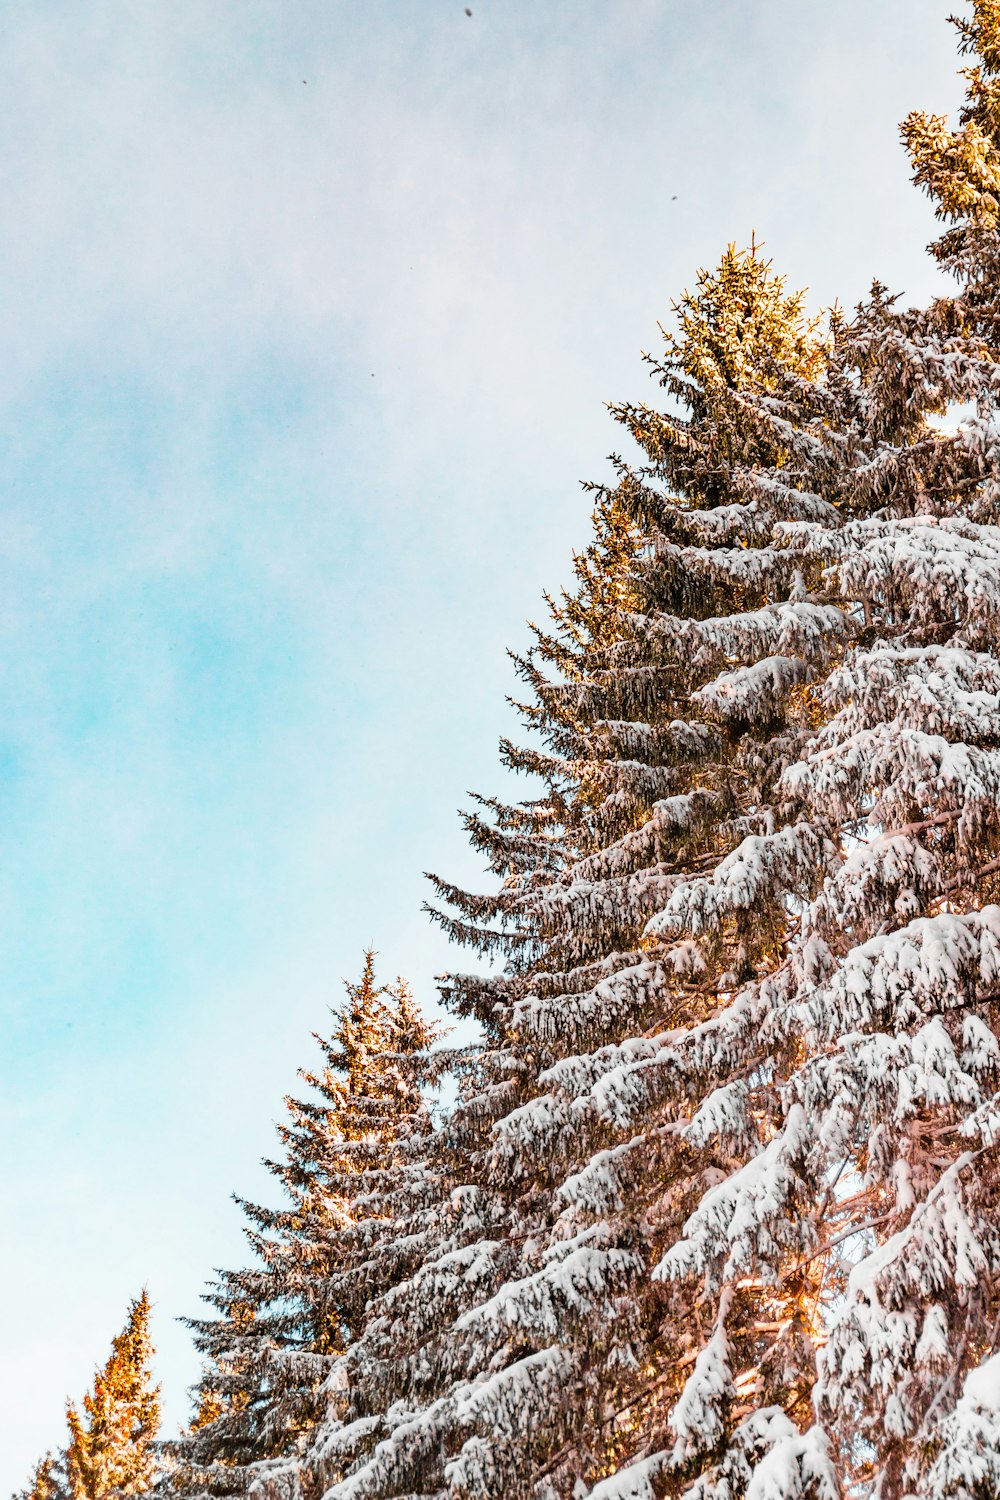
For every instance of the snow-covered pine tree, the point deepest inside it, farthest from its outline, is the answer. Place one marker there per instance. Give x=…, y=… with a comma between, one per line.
x=536, y=1351
x=899, y=1018
x=351, y=1168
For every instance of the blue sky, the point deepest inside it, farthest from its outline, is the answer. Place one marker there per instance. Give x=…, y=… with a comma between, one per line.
x=309, y=313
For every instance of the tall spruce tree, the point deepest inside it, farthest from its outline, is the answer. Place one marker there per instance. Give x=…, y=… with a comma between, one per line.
x=535, y=1349
x=112, y=1435
x=350, y=1171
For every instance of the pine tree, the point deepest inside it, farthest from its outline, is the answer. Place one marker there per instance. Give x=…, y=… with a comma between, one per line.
x=111, y=1448
x=350, y=1173
x=534, y=1348
x=843, y=1098
x=112, y=1439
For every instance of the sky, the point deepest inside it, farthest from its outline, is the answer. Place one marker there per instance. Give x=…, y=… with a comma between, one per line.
x=310, y=314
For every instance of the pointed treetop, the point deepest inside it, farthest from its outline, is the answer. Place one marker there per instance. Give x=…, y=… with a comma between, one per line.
x=378, y=1019
x=111, y=1441
x=352, y=1170
x=739, y=331
x=739, y=322
x=735, y=332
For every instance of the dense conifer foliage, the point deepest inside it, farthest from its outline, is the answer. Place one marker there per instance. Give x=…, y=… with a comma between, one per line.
x=112, y=1436
x=350, y=1168
x=724, y=1203
x=554, y=1352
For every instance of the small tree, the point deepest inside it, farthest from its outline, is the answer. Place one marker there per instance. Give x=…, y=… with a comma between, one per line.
x=111, y=1440
x=348, y=1175
x=112, y=1435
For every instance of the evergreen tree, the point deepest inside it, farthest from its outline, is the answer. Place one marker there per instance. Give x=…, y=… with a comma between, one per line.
x=111, y=1449
x=349, y=1170
x=534, y=1347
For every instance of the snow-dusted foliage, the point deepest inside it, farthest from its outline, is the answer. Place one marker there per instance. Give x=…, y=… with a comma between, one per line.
x=618, y=1118
x=360, y=1205
x=967, y=1461
x=717, y=1216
